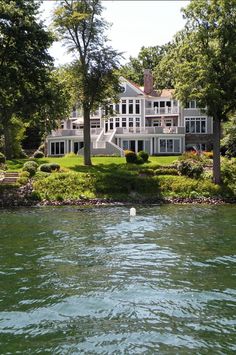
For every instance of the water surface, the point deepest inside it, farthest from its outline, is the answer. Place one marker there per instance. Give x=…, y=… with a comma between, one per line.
x=95, y=281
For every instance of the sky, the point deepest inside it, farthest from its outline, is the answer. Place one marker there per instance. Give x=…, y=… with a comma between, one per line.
x=134, y=24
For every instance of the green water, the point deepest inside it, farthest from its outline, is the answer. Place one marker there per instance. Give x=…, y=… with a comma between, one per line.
x=94, y=281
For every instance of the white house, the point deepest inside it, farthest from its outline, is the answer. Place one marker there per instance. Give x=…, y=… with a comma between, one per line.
x=144, y=119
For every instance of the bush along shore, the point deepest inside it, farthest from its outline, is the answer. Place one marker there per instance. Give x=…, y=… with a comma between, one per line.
x=186, y=180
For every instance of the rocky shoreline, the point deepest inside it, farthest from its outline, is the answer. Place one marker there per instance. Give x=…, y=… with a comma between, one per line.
x=13, y=196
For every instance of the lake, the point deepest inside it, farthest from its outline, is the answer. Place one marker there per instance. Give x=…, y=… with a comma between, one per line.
x=96, y=281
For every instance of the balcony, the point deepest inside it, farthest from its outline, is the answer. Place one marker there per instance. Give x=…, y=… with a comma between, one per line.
x=159, y=111
x=74, y=132
x=151, y=130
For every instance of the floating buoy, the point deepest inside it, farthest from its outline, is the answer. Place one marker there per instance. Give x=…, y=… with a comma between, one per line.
x=132, y=212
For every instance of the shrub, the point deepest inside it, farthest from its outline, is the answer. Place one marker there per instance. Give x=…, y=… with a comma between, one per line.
x=2, y=158
x=209, y=155
x=131, y=157
x=31, y=167
x=166, y=171
x=23, y=177
x=143, y=155
x=46, y=168
x=38, y=154
x=190, y=168
x=139, y=160
x=54, y=166
x=147, y=171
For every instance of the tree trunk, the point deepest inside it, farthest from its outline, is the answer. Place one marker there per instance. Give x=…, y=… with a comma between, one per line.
x=87, y=137
x=216, y=150
x=8, y=149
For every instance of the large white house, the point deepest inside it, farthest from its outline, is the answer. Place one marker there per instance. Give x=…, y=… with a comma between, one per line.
x=144, y=119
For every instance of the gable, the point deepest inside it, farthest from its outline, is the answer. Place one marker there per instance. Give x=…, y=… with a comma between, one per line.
x=131, y=90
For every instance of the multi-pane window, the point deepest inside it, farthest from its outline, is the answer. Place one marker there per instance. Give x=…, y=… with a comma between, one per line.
x=137, y=107
x=57, y=148
x=123, y=107
x=117, y=122
x=137, y=121
x=131, y=109
x=169, y=145
x=131, y=122
x=123, y=121
x=195, y=124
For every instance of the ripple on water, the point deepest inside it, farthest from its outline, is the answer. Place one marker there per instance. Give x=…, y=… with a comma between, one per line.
x=102, y=282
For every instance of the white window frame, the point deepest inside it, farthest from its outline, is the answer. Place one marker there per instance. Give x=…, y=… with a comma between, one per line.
x=59, y=141
x=167, y=139
x=195, y=119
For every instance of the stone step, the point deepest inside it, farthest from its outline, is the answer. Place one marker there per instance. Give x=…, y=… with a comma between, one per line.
x=11, y=174
x=9, y=178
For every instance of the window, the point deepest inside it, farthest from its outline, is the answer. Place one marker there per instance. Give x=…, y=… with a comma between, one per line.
x=137, y=107
x=125, y=145
x=156, y=123
x=117, y=122
x=191, y=104
x=169, y=145
x=137, y=122
x=131, y=109
x=62, y=125
x=131, y=122
x=195, y=124
x=123, y=107
x=123, y=121
x=57, y=148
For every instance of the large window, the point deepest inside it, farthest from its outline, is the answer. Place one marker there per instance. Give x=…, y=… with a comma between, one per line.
x=169, y=145
x=195, y=124
x=137, y=107
x=131, y=108
x=123, y=107
x=57, y=148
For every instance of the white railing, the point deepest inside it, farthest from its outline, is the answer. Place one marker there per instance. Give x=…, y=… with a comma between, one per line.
x=151, y=130
x=67, y=132
x=162, y=111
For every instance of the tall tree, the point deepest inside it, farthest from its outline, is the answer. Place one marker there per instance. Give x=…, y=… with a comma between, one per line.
x=204, y=63
x=25, y=65
x=148, y=58
x=82, y=28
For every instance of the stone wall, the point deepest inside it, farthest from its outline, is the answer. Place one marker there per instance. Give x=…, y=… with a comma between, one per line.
x=13, y=196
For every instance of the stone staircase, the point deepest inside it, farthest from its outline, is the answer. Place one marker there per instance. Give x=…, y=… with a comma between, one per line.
x=9, y=178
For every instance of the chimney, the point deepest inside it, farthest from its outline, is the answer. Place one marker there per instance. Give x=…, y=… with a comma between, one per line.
x=148, y=81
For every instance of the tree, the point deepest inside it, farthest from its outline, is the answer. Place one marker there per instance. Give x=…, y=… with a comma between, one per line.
x=81, y=27
x=25, y=65
x=228, y=143
x=148, y=58
x=204, y=63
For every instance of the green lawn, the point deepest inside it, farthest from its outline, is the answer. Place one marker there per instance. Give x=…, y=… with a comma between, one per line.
x=76, y=163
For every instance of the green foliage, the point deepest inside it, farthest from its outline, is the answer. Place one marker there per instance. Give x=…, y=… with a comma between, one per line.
x=182, y=186
x=228, y=143
x=2, y=158
x=80, y=25
x=130, y=156
x=143, y=155
x=148, y=58
x=23, y=177
x=190, y=168
x=48, y=168
x=166, y=171
x=30, y=167
x=38, y=154
x=229, y=174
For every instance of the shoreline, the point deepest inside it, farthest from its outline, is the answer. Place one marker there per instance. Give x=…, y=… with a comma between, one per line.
x=24, y=197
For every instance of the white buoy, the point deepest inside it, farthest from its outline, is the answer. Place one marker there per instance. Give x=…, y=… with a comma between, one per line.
x=132, y=212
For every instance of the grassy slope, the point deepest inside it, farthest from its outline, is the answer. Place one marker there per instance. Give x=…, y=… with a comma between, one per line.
x=111, y=177
x=75, y=163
